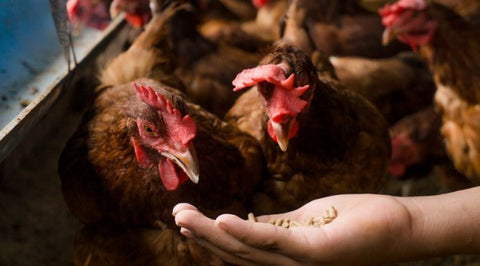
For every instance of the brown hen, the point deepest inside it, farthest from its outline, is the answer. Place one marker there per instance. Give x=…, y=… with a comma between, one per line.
x=416, y=143
x=206, y=68
x=468, y=9
x=397, y=86
x=102, y=245
x=128, y=161
x=129, y=164
x=172, y=44
x=450, y=45
x=113, y=175
x=318, y=137
x=344, y=28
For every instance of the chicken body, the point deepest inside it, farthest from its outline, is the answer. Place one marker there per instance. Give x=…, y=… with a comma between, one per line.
x=344, y=28
x=102, y=159
x=418, y=149
x=128, y=165
x=416, y=142
x=436, y=31
x=267, y=21
x=107, y=178
x=171, y=45
x=339, y=136
x=468, y=9
x=124, y=246
x=149, y=56
x=207, y=68
x=318, y=137
x=397, y=86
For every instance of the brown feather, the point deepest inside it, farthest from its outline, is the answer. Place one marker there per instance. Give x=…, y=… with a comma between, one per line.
x=454, y=65
x=397, y=86
x=343, y=28
x=341, y=134
x=103, y=182
x=106, y=245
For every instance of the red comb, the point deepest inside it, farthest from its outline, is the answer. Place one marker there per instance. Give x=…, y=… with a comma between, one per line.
x=137, y=20
x=150, y=97
x=259, y=3
x=271, y=73
x=249, y=77
x=402, y=5
x=72, y=6
x=180, y=129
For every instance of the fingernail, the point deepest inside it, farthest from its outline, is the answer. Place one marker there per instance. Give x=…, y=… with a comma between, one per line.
x=184, y=231
x=174, y=212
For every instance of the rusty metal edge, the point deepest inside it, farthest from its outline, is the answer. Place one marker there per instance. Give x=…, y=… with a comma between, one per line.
x=20, y=126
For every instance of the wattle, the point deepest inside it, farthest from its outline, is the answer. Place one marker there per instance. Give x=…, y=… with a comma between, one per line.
x=170, y=175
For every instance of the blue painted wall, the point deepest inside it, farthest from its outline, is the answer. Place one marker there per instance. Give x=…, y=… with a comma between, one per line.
x=28, y=43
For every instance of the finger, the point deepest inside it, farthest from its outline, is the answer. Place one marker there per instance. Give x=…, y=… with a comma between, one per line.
x=291, y=242
x=293, y=215
x=313, y=208
x=228, y=257
x=243, y=254
x=193, y=220
x=205, y=229
x=182, y=206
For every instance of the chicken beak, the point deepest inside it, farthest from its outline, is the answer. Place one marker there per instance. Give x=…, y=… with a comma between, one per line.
x=389, y=35
x=282, y=132
x=187, y=161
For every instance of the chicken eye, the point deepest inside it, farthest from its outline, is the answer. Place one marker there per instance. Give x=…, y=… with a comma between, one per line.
x=150, y=131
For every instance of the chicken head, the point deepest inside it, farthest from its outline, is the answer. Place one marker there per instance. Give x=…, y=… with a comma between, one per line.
x=404, y=154
x=408, y=21
x=90, y=13
x=284, y=96
x=164, y=139
x=259, y=3
x=137, y=12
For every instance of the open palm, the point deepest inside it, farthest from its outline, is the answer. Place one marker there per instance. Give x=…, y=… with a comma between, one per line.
x=368, y=228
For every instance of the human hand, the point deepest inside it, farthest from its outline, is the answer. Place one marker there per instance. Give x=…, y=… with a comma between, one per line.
x=368, y=229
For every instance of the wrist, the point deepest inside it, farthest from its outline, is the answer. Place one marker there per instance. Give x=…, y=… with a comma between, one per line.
x=443, y=224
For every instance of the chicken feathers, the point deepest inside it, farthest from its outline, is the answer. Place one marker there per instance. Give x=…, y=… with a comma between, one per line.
x=336, y=141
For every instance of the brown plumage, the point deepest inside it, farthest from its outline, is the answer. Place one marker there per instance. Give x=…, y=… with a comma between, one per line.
x=112, y=177
x=104, y=181
x=418, y=149
x=437, y=31
x=328, y=134
x=397, y=86
x=206, y=68
x=139, y=12
x=230, y=33
x=172, y=44
x=344, y=28
x=119, y=246
x=227, y=9
x=149, y=56
x=416, y=143
x=129, y=162
x=468, y=9
x=266, y=25
x=254, y=35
